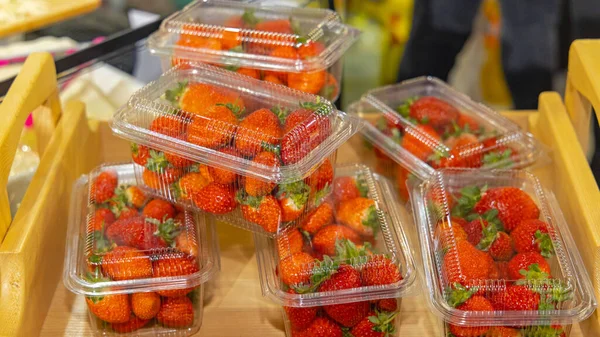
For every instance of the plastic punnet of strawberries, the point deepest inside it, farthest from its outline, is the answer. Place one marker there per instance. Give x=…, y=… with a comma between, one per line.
x=333, y=265
x=257, y=171
x=131, y=242
x=496, y=247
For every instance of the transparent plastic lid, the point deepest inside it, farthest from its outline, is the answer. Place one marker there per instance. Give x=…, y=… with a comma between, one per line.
x=121, y=241
x=223, y=119
x=254, y=35
x=356, y=233
x=426, y=125
x=497, y=251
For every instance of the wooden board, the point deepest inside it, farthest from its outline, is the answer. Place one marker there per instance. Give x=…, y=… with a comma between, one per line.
x=59, y=10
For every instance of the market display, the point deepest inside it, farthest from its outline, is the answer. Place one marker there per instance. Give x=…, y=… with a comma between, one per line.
x=499, y=260
x=257, y=155
x=139, y=260
x=344, y=269
x=296, y=47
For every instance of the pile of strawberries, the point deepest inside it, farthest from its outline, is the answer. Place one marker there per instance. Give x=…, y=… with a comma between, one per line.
x=493, y=255
x=135, y=237
x=221, y=119
x=333, y=250
x=279, y=38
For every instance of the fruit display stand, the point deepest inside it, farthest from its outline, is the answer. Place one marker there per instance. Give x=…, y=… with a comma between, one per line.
x=234, y=305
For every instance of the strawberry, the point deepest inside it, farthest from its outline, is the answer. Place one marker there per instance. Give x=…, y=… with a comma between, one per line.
x=103, y=187
x=304, y=130
x=448, y=233
x=324, y=240
x=388, y=304
x=110, y=308
x=360, y=214
x=513, y=205
x=259, y=129
x=530, y=265
x=421, y=141
x=375, y=324
x=331, y=88
x=249, y=72
x=296, y=269
x=466, y=264
x=320, y=327
x=190, y=184
x=145, y=305
x=142, y=233
x=502, y=247
x=290, y=242
x=380, y=270
x=322, y=177
x=292, y=199
x=187, y=243
x=515, y=297
x=131, y=196
x=318, y=218
x=215, y=198
x=177, y=161
x=300, y=318
x=177, y=264
x=465, y=121
x=285, y=52
x=466, y=151
x=263, y=211
x=160, y=180
x=472, y=303
x=196, y=42
x=139, y=154
x=402, y=177
x=126, y=212
x=275, y=26
x=307, y=81
x=223, y=176
x=134, y=323
x=433, y=111
x=501, y=331
x=346, y=188
x=159, y=209
x=176, y=312
x=544, y=331
x=169, y=125
x=101, y=219
x=273, y=78
x=348, y=314
x=126, y=263
x=532, y=236
x=213, y=131
x=256, y=187
x=201, y=99
x=310, y=49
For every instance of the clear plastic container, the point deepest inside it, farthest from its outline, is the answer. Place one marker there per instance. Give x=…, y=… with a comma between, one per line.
x=423, y=125
x=140, y=275
x=497, y=252
x=258, y=155
x=350, y=255
x=297, y=47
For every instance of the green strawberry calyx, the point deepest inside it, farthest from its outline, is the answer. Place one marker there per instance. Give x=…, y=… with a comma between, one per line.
x=346, y=250
x=533, y=272
x=319, y=107
x=167, y=230
x=490, y=233
x=361, y=185
x=236, y=109
x=281, y=113
x=404, y=108
x=322, y=271
x=544, y=243
x=157, y=162
x=175, y=94
x=469, y=196
x=249, y=18
x=458, y=294
x=276, y=149
x=542, y=331
x=383, y=322
x=297, y=191
x=321, y=195
x=371, y=219
x=244, y=199
x=96, y=277
x=498, y=159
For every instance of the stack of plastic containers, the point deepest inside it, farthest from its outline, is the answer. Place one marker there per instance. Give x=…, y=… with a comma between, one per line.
x=499, y=260
x=421, y=125
x=139, y=261
x=297, y=47
x=257, y=154
x=345, y=269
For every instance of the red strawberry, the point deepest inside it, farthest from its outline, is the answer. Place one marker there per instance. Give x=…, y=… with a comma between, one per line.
x=318, y=218
x=513, y=205
x=331, y=88
x=466, y=151
x=110, y=308
x=145, y=305
x=292, y=198
x=473, y=303
x=307, y=81
x=191, y=183
x=289, y=242
x=380, y=270
x=101, y=219
x=375, y=324
x=264, y=211
x=433, y=111
x=159, y=209
x=310, y=49
x=215, y=198
x=259, y=129
x=132, y=325
x=348, y=314
x=360, y=214
x=296, y=269
x=530, y=265
x=103, y=187
x=169, y=125
x=140, y=154
x=502, y=247
x=131, y=195
x=300, y=318
x=162, y=179
x=346, y=188
x=324, y=240
x=213, y=131
x=449, y=233
x=304, y=130
x=532, y=236
x=223, y=176
x=388, y=304
x=516, y=297
x=176, y=264
x=322, y=177
x=126, y=263
x=127, y=212
x=142, y=233
x=501, y=331
x=176, y=312
x=466, y=264
x=256, y=187
x=320, y=327
x=176, y=160
x=465, y=121
x=421, y=141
